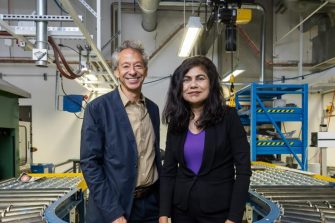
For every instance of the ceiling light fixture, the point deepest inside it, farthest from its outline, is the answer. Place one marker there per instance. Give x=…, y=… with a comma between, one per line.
x=235, y=73
x=192, y=33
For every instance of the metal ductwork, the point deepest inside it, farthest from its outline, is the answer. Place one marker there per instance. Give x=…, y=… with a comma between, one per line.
x=149, y=14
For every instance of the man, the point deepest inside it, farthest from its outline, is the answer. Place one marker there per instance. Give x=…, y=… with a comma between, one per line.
x=119, y=153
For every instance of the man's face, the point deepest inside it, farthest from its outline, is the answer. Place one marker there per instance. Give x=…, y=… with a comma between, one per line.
x=131, y=70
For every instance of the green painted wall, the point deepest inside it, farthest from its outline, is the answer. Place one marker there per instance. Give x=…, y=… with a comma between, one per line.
x=9, y=145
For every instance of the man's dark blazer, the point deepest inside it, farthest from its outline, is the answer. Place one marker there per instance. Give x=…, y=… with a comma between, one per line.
x=108, y=156
x=217, y=185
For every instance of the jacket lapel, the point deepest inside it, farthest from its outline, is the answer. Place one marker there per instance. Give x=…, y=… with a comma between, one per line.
x=153, y=117
x=209, y=151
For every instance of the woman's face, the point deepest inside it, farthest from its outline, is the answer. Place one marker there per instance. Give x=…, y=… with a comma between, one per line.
x=195, y=87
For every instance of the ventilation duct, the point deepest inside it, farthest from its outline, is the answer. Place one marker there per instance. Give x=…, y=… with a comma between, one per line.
x=149, y=14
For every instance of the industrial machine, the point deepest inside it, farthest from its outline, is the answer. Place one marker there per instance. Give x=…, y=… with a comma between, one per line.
x=9, y=122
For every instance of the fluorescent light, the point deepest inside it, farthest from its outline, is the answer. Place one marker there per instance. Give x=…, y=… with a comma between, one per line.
x=193, y=30
x=91, y=77
x=235, y=73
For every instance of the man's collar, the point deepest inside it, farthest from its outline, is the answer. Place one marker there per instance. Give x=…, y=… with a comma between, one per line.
x=125, y=100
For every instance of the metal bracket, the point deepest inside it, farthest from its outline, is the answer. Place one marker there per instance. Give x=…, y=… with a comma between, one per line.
x=89, y=8
x=249, y=213
x=73, y=215
x=50, y=18
x=60, y=32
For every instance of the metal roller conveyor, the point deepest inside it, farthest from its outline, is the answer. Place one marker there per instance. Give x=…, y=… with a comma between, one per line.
x=35, y=191
x=308, y=209
x=52, y=195
x=19, y=217
x=17, y=197
x=46, y=183
x=23, y=208
x=300, y=196
x=26, y=220
x=21, y=212
x=23, y=202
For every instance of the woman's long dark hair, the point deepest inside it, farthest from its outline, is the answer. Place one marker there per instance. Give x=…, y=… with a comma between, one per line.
x=177, y=111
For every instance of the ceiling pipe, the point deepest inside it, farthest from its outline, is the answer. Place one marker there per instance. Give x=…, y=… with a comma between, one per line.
x=149, y=14
x=41, y=32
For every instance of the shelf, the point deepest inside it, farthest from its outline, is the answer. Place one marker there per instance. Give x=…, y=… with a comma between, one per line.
x=254, y=96
x=265, y=147
x=287, y=114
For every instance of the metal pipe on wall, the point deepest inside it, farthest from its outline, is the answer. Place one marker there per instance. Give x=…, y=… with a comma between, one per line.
x=119, y=23
x=99, y=24
x=41, y=31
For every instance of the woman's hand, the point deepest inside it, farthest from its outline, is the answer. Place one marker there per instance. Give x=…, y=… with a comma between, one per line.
x=120, y=220
x=163, y=219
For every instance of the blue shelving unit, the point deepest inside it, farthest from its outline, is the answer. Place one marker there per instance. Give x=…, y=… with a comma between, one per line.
x=255, y=96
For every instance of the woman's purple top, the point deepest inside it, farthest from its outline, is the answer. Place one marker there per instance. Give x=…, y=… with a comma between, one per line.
x=194, y=149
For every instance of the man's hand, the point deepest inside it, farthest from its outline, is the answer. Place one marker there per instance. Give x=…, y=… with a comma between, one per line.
x=163, y=219
x=120, y=220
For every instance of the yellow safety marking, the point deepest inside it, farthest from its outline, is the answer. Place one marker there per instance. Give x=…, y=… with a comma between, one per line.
x=49, y=175
x=273, y=143
x=263, y=163
x=82, y=183
x=243, y=16
x=320, y=177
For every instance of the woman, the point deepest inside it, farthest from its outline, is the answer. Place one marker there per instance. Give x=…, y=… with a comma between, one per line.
x=205, y=144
